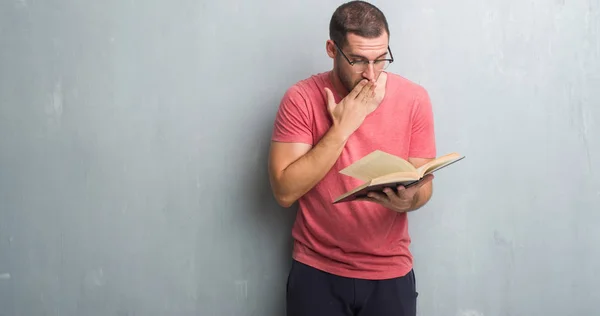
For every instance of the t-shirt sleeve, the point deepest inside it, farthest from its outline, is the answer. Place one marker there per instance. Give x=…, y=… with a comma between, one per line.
x=422, y=140
x=292, y=123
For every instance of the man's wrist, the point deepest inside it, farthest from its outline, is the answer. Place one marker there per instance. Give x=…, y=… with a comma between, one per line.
x=338, y=134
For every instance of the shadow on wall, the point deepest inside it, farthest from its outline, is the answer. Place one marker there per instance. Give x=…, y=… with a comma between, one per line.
x=268, y=223
x=268, y=213
x=257, y=180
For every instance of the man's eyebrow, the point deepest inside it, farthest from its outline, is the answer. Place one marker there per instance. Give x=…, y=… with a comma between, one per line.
x=363, y=57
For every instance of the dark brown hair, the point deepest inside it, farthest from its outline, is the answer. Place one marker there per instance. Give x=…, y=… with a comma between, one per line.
x=358, y=17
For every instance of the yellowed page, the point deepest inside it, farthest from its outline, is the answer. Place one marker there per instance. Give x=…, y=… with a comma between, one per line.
x=438, y=163
x=402, y=176
x=377, y=164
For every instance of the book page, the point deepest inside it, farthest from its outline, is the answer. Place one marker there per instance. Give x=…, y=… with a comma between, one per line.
x=392, y=179
x=438, y=163
x=377, y=164
x=396, y=177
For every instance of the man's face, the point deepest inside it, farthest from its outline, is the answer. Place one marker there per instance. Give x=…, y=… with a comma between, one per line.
x=360, y=48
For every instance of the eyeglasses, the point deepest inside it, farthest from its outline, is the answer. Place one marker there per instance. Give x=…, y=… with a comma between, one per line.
x=360, y=66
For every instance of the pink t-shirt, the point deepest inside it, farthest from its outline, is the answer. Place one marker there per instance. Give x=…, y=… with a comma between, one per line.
x=355, y=239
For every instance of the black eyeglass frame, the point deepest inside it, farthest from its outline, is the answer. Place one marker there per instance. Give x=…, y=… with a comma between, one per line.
x=352, y=63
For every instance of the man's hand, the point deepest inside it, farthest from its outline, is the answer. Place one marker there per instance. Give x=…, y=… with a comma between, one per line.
x=348, y=115
x=295, y=168
x=403, y=200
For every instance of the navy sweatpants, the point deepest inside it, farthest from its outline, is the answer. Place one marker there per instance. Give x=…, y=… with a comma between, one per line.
x=312, y=292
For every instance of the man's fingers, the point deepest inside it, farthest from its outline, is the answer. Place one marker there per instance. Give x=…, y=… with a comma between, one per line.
x=372, y=89
x=330, y=99
x=377, y=197
x=357, y=89
x=391, y=194
x=366, y=91
x=401, y=191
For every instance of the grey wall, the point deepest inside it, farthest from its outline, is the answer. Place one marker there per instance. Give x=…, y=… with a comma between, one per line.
x=134, y=138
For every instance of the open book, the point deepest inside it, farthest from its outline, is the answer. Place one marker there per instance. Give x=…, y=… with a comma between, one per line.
x=379, y=170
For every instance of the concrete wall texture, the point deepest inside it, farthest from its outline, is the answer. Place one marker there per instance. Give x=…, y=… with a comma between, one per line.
x=134, y=138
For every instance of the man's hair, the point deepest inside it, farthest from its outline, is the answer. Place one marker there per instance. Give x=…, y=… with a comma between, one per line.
x=358, y=17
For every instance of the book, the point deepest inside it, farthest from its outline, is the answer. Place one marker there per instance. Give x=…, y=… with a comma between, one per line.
x=379, y=170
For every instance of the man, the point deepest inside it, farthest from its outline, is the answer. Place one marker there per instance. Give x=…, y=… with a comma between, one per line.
x=350, y=258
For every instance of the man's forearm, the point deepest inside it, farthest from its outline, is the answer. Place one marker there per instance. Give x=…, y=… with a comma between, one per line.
x=303, y=174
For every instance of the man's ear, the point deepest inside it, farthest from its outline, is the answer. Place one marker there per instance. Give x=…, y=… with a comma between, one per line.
x=331, y=49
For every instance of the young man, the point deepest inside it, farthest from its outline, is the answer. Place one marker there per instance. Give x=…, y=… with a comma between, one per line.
x=350, y=258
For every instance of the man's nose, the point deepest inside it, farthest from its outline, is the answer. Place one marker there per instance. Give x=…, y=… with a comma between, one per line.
x=369, y=73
